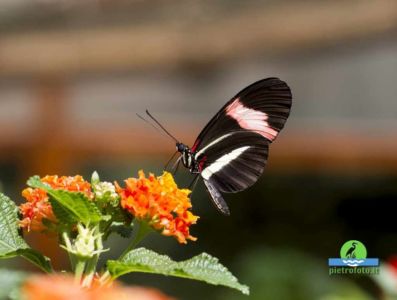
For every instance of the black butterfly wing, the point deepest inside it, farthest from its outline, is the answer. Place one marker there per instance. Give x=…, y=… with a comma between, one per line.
x=232, y=149
x=217, y=198
x=232, y=164
x=265, y=103
x=235, y=162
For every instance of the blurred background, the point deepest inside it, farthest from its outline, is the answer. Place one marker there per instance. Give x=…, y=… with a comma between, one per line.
x=73, y=75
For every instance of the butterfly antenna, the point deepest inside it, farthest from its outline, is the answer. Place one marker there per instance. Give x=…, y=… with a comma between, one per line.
x=161, y=126
x=146, y=121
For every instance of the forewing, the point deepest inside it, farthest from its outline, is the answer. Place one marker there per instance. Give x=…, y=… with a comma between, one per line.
x=235, y=162
x=263, y=107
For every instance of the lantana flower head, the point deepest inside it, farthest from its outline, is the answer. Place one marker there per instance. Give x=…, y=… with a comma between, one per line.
x=37, y=206
x=159, y=201
x=106, y=190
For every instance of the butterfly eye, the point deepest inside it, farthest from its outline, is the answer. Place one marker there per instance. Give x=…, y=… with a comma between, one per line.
x=180, y=147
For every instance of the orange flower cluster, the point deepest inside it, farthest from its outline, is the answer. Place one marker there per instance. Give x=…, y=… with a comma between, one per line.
x=62, y=287
x=159, y=201
x=38, y=207
x=68, y=183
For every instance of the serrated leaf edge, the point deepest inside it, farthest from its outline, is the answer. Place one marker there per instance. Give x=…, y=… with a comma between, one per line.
x=177, y=269
x=12, y=211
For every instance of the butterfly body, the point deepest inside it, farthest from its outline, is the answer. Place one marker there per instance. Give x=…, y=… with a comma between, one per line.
x=231, y=151
x=187, y=157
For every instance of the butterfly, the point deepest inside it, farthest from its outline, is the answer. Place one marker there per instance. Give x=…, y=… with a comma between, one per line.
x=231, y=152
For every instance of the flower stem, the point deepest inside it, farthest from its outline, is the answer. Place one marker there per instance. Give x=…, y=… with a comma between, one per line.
x=68, y=245
x=90, y=271
x=93, y=261
x=105, y=279
x=79, y=270
x=143, y=230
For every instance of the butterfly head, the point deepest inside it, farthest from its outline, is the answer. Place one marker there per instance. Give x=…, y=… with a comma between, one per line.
x=181, y=147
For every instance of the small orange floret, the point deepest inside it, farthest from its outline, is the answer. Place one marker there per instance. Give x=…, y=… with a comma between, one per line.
x=68, y=183
x=37, y=207
x=159, y=201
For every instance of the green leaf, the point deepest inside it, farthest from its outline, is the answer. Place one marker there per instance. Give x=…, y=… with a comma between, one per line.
x=37, y=259
x=124, y=230
x=202, y=267
x=75, y=205
x=62, y=214
x=10, y=283
x=10, y=240
x=35, y=182
x=11, y=243
x=207, y=268
x=78, y=205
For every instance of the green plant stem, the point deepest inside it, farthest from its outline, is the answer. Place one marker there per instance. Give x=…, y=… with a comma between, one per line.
x=90, y=270
x=143, y=230
x=72, y=261
x=105, y=278
x=79, y=270
x=92, y=262
x=72, y=258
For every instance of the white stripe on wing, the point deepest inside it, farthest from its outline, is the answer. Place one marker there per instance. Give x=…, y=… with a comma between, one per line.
x=222, y=161
x=212, y=143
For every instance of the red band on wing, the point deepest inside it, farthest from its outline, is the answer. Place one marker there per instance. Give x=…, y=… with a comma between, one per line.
x=193, y=149
x=201, y=163
x=251, y=119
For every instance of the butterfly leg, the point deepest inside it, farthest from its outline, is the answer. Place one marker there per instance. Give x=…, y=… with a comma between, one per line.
x=169, y=161
x=175, y=167
x=193, y=184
